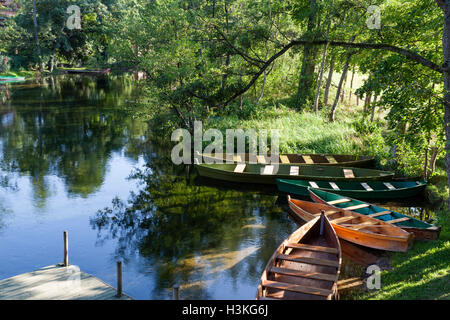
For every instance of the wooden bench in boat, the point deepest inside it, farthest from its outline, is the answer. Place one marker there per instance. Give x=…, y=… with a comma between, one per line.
x=348, y=173
x=366, y=186
x=327, y=213
x=261, y=159
x=312, y=248
x=240, y=168
x=389, y=186
x=338, y=201
x=313, y=184
x=334, y=186
x=294, y=171
x=284, y=159
x=303, y=274
x=296, y=288
x=342, y=219
x=331, y=159
x=398, y=220
x=307, y=260
x=268, y=169
x=377, y=214
x=308, y=159
x=359, y=206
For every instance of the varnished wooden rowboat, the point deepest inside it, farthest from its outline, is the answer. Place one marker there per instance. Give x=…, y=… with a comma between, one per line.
x=305, y=266
x=296, y=159
x=358, y=190
x=267, y=174
x=421, y=229
x=356, y=228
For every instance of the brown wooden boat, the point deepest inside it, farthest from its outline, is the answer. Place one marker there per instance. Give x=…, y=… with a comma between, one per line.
x=355, y=227
x=305, y=266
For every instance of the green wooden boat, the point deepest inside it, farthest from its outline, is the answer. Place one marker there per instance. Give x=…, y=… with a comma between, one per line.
x=296, y=159
x=420, y=229
x=266, y=174
x=8, y=79
x=358, y=190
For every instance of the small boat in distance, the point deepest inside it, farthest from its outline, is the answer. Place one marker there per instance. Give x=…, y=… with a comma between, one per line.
x=421, y=229
x=358, y=190
x=265, y=174
x=305, y=266
x=355, y=227
x=297, y=159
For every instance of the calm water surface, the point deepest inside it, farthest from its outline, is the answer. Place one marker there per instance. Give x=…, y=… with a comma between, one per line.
x=67, y=149
x=72, y=159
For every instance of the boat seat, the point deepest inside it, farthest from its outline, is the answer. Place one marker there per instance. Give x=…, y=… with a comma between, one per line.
x=284, y=159
x=348, y=173
x=313, y=184
x=327, y=213
x=261, y=159
x=343, y=219
x=294, y=171
x=398, y=220
x=307, y=260
x=240, y=168
x=268, y=169
x=377, y=214
x=359, y=206
x=331, y=159
x=303, y=274
x=237, y=158
x=308, y=159
x=365, y=225
x=334, y=186
x=312, y=248
x=389, y=186
x=338, y=201
x=296, y=288
x=366, y=186
x=268, y=298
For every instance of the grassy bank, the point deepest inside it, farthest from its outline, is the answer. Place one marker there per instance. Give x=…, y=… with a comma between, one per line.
x=21, y=73
x=421, y=273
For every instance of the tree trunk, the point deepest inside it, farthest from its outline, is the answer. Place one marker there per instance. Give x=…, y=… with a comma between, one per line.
x=336, y=100
x=343, y=88
x=306, y=81
x=351, y=86
x=36, y=38
x=372, y=117
x=434, y=154
x=319, y=82
x=445, y=6
x=329, y=79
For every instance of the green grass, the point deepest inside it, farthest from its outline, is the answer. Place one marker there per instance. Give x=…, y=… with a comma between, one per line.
x=423, y=273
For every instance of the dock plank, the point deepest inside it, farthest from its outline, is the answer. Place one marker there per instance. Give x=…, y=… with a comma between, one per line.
x=57, y=282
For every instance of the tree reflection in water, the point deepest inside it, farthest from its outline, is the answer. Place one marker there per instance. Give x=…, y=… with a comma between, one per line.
x=193, y=235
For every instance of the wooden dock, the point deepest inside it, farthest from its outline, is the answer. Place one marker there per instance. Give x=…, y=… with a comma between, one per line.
x=57, y=282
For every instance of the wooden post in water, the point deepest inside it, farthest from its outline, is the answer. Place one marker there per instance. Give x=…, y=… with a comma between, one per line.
x=119, y=278
x=176, y=292
x=66, y=249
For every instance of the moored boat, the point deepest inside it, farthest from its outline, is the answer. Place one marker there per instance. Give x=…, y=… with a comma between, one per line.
x=421, y=229
x=267, y=174
x=305, y=266
x=296, y=159
x=354, y=227
x=358, y=190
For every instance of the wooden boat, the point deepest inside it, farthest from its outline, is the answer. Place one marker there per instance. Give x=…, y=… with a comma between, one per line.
x=355, y=227
x=420, y=229
x=265, y=174
x=296, y=159
x=358, y=190
x=305, y=266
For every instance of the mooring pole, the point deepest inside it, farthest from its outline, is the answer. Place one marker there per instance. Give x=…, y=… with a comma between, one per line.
x=66, y=249
x=176, y=292
x=119, y=278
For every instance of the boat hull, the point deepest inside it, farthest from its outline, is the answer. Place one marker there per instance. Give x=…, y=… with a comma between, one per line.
x=224, y=172
x=420, y=229
x=371, y=240
x=402, y=190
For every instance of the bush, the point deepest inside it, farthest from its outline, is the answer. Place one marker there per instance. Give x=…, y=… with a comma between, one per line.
x=4, y=64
